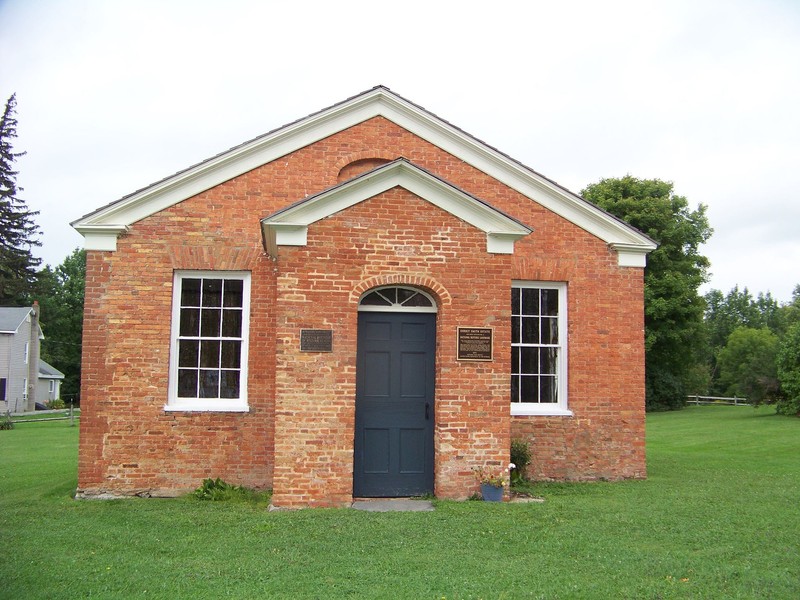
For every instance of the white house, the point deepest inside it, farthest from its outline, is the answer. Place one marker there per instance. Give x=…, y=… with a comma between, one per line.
x=21, y=370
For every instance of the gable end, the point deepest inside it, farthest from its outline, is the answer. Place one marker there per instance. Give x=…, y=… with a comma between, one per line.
x=289, y=226
x=97, y=227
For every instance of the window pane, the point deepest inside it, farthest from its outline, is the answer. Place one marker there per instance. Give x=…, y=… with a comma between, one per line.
x=209, y=325
x=550, y=302
x=375, y=299
x=529, y=389
x=187, y=353
x=212, y=292
x=515, y=388
x=187, y=383
x=231, y=355
x=233, y=292
x=231, y=323
x=549, y=330
x=229, y=387
x=530, y=301
x=209, y=354
x=515, y=359
x=530, y=361
x=190, y=322
x=515, y=339
x=515, y=301
x=548, y=361
x=209, y=384
x=418, y=300
x=404, y=294
x=530, y=330
x=547, y=387
x=190, y=292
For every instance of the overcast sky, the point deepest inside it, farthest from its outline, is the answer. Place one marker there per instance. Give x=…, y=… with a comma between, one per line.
x=114, y=95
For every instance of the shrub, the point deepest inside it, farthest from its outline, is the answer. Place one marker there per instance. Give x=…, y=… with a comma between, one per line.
x=521, y=457
x=6, y=422
x=57, y=404
x=218, y=490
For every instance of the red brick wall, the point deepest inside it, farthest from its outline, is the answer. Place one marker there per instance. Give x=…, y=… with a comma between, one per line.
x=400, y=236
x=130, y=445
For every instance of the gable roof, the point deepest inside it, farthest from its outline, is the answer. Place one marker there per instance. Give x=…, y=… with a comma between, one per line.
x=11, y=317
x=101, y=227
x=48, y=371
x=288, y=226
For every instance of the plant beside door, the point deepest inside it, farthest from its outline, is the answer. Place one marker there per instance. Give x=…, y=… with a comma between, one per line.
x=493, y=481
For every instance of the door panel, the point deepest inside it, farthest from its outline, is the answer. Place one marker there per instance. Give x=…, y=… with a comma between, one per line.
x=393, y=446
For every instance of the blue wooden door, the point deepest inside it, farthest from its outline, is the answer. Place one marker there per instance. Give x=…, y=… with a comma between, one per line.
x=394, y=404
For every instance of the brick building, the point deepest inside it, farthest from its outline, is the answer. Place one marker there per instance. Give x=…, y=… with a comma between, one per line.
x=365, y=302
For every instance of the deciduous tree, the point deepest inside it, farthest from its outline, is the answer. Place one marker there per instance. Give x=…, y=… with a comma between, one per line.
x=789, y=371
x=60, y=292
x=727, y=313
x=673, y=307
x=747, y=365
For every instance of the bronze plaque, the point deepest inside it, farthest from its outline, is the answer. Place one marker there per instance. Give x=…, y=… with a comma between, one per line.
x=475, y=343
x=316, y=340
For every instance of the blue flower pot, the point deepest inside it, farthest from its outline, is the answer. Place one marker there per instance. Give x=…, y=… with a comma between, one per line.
x=491, y=493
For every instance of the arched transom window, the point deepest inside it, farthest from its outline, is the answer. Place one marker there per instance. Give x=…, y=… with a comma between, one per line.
x=397, y=299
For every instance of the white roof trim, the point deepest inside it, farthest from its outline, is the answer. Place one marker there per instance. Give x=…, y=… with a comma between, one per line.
x=288, y=227
x=378, y=101
x=101, y=237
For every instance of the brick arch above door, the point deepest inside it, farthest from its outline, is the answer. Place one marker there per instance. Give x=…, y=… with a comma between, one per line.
x=427, y=284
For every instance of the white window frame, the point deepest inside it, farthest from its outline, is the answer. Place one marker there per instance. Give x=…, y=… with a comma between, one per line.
x=560, y=408
x=174, y=403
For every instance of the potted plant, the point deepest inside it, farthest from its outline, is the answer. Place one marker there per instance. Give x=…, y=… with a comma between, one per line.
x=492, y=481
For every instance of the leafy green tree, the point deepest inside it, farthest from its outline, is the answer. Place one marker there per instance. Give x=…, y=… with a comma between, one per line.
x=747, y=365
x=788, y=367
x=18, y=230
x=736, y=309
x=675, y=270
x=60, y=293
x=727, y=313
x=789, y=314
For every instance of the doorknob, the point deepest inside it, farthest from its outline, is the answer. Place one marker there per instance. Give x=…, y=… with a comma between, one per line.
x=427, y=411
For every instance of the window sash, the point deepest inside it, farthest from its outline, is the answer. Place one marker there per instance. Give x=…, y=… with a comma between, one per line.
x=209, y=347
x=538, y=348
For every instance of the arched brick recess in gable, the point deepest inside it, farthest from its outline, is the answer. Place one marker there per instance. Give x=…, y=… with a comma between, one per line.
x=361, y=162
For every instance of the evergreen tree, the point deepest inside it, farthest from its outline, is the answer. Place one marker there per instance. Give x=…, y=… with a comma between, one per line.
x=18, y=230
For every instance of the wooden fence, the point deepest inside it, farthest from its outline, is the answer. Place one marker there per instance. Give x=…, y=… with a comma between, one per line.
x=69, y=414
x=698, y=400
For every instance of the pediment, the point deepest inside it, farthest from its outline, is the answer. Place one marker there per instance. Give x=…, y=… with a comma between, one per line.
x=289, y=226
x=102, y=227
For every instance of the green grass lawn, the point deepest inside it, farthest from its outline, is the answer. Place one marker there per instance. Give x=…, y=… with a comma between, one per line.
x=719, y=517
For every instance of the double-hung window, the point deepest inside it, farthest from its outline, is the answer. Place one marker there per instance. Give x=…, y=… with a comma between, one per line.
x=208, y=355
x=538, y=348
